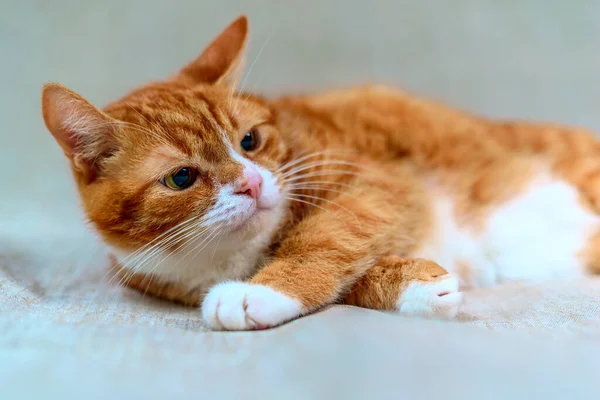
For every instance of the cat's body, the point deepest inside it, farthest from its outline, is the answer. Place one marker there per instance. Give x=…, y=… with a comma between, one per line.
x=496, y=209
x=344, y=198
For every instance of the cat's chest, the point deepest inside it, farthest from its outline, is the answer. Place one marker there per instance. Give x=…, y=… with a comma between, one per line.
x=538, y=235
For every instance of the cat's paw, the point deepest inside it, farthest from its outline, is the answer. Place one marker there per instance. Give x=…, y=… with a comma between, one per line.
x=240, y=306
x=438, y=297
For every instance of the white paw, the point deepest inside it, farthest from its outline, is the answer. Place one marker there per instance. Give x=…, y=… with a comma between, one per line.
x=438, y=298
x=239, y=306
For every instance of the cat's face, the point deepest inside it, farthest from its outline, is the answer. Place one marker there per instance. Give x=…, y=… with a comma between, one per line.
x=176, y=164
x=181, y=154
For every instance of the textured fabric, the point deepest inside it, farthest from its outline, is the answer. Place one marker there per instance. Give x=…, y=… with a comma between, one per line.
x=340, y=353
x=65, y=332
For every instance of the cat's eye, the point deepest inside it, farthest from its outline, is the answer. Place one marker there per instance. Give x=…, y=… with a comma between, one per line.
x=182, y=179
x=250, y=141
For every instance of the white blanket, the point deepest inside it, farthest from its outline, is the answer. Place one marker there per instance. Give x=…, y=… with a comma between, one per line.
x=65, y=333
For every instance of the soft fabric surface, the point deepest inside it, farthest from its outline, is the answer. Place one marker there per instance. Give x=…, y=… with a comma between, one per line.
x=65, y=332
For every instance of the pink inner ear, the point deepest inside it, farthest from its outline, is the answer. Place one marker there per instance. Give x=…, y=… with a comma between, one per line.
x=83, y=132
x=67, y=138
x=58, y=109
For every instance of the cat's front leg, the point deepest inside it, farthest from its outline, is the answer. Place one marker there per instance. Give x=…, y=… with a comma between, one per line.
x=413, y=287
x=316, y=264
x=281, y=291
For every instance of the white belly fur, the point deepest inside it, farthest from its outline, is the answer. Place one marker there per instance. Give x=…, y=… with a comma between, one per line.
x=533, y=237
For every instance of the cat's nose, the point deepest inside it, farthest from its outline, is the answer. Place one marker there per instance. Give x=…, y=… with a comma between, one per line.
x=250, y=184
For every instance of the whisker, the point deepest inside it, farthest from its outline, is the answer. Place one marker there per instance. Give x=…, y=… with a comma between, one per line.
x=327, y=201
x=150, y=277
x=293, y=185
x=209, y=238
x=235, y=83
x=216, y=231
x=312, y=189
x=191, y=232
x=250, y=70
x=159, y=238
x=191, y=238
x=307, y=202
x=321, y=188
x=308, y=156
x=316, y=164
x=149, y=247
x=150, y=274
x=291, y=198
x=320, y=173
x=212, y=259
x=149, y=251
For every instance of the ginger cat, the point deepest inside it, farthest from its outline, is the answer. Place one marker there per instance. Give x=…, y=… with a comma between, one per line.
x=265, y=210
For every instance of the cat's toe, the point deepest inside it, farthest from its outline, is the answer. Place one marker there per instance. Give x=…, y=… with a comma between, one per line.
x=238, y=306
x=438, y=298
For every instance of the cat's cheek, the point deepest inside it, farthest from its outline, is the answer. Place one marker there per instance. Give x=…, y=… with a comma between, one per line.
x=271, y=195
x=240, y=306
x=269, y=201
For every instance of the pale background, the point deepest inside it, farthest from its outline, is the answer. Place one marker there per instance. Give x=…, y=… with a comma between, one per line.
x=534, y=59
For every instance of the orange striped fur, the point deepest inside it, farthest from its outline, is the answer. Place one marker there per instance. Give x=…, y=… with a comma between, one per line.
x=356, y=172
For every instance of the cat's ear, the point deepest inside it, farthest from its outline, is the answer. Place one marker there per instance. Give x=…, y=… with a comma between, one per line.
x=221, y=61
x=84, y=133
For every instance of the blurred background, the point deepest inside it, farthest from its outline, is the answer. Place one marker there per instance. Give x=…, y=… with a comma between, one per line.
x=534, y=59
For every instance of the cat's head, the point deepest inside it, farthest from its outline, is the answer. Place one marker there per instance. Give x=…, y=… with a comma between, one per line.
x=177, y=165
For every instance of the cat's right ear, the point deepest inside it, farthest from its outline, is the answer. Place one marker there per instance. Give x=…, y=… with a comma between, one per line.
x=84, y=133
x=221, y=62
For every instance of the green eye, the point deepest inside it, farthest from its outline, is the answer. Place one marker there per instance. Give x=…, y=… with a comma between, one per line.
x=250, y=140
x=181, y=179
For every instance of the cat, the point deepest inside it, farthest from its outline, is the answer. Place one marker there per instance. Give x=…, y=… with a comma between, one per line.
x=264, y=210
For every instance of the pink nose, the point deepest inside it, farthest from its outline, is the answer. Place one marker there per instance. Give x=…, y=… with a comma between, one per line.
x=250, y=184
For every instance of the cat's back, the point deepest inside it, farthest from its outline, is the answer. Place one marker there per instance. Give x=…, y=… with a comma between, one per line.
x=370, y=103
x=379, y=121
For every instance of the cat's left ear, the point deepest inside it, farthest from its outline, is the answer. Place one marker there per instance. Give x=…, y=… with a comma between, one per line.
x=85, y=134
x=221, y=61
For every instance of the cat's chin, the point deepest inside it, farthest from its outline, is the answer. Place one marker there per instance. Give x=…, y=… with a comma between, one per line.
x=260, y=221
x=254, y=222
